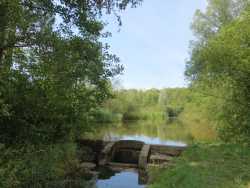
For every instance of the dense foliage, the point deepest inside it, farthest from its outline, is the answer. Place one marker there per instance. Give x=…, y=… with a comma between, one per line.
x=219, y=66
x=54, y=72
x=152, y=104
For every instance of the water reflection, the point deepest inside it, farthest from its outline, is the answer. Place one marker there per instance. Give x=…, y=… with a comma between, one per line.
x=174, y=133
x=120, y=180
x=147, y=140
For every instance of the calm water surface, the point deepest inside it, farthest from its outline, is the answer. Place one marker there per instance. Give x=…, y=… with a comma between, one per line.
x=120, y=180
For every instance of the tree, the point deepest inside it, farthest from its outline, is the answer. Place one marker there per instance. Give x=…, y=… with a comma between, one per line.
x=206, y=25
x=219, y=67
x=54, y=72
x=53, y=68
x=218, y=14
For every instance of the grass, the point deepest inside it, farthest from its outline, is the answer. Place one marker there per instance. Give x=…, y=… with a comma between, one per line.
x=207, y=166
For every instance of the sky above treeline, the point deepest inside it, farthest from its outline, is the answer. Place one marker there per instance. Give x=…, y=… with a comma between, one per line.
x=153, y=42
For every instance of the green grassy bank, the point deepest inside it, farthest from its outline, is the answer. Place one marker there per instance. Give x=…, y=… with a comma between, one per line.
x=207, y=166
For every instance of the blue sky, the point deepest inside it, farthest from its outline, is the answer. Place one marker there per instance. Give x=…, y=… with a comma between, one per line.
x=153, y=43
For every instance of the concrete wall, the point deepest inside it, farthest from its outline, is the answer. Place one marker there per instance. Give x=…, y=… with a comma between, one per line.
x=126, y=151
x=166, y=150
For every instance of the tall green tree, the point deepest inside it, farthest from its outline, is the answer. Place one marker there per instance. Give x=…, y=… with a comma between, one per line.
x=218, y=14
x=219, y=66
x=54, y=70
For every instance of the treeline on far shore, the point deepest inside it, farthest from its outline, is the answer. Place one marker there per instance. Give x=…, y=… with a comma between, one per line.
x=153, y=104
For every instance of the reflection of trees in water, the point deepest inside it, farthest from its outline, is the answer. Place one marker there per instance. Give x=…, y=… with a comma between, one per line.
x=106, y=173
x=175, y=130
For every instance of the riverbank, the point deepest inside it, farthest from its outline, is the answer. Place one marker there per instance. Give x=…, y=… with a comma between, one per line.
x=207, y=166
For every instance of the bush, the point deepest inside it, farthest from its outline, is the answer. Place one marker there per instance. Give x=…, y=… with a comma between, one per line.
x=33, y=166
x=103, y=115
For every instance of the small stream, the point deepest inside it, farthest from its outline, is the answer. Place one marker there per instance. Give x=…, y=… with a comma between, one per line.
x=174, y=134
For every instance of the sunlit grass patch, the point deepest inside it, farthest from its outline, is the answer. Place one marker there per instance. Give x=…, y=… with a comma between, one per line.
x=207, y=166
